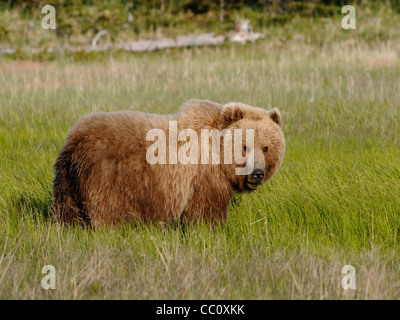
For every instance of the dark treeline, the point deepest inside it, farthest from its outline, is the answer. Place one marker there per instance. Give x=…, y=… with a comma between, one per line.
x=196, y=7
x=88, y=17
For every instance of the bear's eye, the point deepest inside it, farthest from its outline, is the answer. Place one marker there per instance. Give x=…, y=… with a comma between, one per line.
x=265, y=149
x=246, y=149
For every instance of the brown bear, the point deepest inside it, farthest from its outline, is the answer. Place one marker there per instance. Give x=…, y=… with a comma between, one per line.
x=105, y=173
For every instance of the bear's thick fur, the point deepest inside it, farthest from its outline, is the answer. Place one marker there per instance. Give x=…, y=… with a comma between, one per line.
x=102, y=176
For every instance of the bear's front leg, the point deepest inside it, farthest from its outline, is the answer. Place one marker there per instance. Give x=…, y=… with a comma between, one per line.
x=213, y=216
x=210, y=207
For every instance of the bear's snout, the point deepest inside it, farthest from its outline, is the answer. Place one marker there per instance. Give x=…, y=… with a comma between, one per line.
x=255, y=179
x=257, y=175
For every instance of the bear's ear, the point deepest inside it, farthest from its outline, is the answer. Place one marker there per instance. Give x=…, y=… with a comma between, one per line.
x=230, y=114
x=275, y=115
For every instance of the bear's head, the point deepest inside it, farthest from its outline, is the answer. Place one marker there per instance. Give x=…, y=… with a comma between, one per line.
x=267, y=145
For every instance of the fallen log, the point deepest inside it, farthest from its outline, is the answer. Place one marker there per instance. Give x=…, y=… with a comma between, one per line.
x=205, y=39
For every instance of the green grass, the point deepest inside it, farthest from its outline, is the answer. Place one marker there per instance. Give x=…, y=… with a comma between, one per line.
x=335, y=200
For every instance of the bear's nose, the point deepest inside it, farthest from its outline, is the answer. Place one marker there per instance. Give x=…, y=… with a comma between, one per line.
x=258, y=175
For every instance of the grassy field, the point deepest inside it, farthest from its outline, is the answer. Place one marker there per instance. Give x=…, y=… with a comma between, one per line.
x=335, y=201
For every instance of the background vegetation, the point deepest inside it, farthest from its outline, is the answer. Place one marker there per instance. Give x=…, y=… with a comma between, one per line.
x=78, y=21
x=335, y=201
